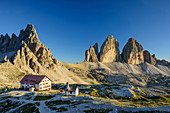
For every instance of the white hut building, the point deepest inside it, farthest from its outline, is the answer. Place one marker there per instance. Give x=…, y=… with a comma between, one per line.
x=71, y=90
x=39, y=82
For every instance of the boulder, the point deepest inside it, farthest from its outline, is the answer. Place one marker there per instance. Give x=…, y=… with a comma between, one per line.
x=132, y=52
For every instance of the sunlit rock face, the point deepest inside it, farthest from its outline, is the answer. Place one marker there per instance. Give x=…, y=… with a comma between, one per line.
x=27, y=50
x=132, y=52
x=90, y=55
x=109, y=51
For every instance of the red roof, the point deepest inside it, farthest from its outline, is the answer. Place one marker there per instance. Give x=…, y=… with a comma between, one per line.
x=32, y=79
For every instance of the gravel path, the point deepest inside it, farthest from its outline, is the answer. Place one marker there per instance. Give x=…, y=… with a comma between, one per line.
x=43, y=108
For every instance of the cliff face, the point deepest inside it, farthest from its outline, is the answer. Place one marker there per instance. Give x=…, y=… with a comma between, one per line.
x=91, y=54
x=149, y=58
x=132, y=52
x=109, y=51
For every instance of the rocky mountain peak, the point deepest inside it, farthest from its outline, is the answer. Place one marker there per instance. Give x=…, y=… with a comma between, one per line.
x=29, y=35
x=13, y=35
x=4, y=42
x=21, y=33
x=154, y=56
x=133, y=52
x=90, y=55
x=95, y=46
x=6, y=35
x=131, y=39
x=109, y=37
x=109, y=51
x=149, y=58
x=30, y=27
x=27, y=50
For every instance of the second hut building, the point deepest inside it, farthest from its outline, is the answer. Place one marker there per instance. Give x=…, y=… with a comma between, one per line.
x=71, y=90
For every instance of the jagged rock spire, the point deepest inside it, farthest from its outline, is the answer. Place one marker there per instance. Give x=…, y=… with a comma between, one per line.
x=90, y=55
x=109, y=51
x=27, y=50
x=4, y=42
x=95, y=46
x=132, y=52
x=149, y=58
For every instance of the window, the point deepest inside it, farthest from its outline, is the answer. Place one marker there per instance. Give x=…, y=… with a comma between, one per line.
x=46, y=86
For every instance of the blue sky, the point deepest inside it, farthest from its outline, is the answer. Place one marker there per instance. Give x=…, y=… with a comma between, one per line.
x=69, y=27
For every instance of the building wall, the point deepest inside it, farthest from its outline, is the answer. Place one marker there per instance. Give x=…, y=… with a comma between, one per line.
x=25, y=86
x=77, y=92
x=45, y=84
x=73, y=93
x=69, y=93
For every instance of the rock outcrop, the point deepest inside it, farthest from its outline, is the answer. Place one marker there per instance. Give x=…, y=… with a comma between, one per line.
x=4, y=42
x=90, y=55
x=132, y=52
x=95, y=46
x=28, y=50
x=30, y=37
x=25, y=58
x=163, y=62
x=109, y=51
x=14, y=43
x=149, y=58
